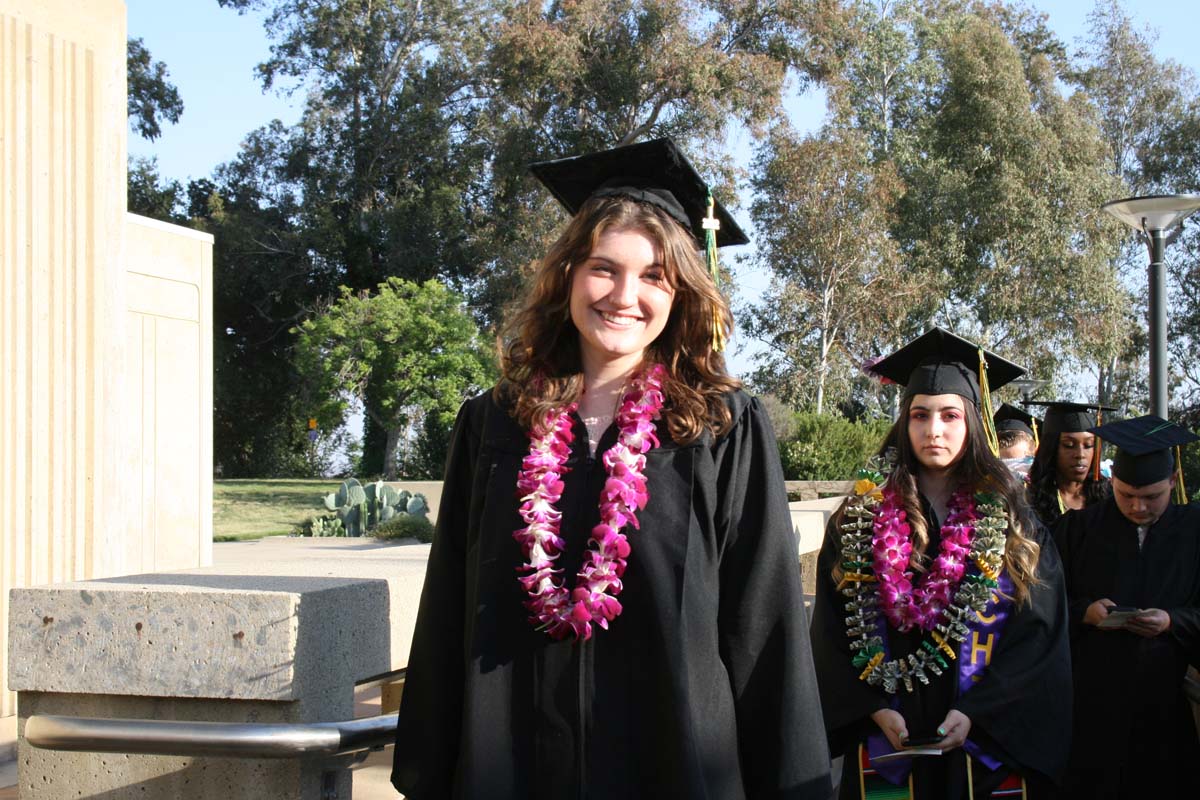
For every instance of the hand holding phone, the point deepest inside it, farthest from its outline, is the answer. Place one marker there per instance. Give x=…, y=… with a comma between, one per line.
x=922, y=741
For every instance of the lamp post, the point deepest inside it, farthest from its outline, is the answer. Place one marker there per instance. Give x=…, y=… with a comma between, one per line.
x=1027, y=387
x=1153, y=217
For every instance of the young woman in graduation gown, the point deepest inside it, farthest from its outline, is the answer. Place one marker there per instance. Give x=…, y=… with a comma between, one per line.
x=1065, y=473
x=613, y=609
x=940, y=607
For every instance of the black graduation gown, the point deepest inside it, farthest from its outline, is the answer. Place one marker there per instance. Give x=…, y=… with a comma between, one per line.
x=702, y=688
x=1134, y=732
x=1019, y=710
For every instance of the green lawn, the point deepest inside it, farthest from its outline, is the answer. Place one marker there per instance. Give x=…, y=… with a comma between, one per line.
x=251, y=509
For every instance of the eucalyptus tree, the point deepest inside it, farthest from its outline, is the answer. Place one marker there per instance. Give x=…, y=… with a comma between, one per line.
x=838, y=287
x=1005, y=203
x=569, y=78
x=1142, y=103
x=385, y=162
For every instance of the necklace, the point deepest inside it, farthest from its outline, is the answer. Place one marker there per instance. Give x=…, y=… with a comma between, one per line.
x=906, y=603
x=876, y=547
x=552, y=608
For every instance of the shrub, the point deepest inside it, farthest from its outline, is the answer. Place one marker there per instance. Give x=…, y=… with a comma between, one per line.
x=826, y=447
x=405, y=526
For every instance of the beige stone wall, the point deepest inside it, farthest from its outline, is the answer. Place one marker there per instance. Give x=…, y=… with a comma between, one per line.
x=105, y=326
x=62, y=176
x=168, y=358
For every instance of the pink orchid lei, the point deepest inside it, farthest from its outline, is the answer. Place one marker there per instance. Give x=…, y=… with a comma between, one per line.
x=540, y=482
x=921, y=605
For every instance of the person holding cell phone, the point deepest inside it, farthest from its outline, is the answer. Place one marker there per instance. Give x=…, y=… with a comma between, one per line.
x=940, y=629
x=1133, y=584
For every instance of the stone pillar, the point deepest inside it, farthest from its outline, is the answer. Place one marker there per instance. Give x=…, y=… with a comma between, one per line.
x=62, y=209
x=105, y=327
x=279, y=631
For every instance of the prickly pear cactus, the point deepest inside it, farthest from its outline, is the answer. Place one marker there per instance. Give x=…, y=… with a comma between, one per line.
x=327, y=526
x=360, y=508
x=417, y=506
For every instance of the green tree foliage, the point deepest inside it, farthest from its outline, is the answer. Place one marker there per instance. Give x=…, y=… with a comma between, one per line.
x=567, y=78
x=265, y=277
x=1141, y=103
x=954, y=184
x=149, y=194
x=838, y=286
x=825, y=447
x=386, y=160
x=1005, y=204
x=152, y=98
x=414, y=344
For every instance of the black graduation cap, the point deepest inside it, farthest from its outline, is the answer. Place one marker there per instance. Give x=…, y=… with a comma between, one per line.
x=939, y=362
x=1065, y=417
x=1145, y=447
x=1011, y=418
x=654, y=172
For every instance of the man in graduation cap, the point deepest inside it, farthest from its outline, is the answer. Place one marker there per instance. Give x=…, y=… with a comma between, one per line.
x=612, y=605
x=1016, y=436
x=1066, y=470
x=1133, y=583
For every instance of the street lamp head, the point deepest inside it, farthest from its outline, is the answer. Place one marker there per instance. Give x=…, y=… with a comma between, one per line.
x=1156, y=212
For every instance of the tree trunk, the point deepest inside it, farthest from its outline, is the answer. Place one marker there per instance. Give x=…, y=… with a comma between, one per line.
x=391, y=450
x=821, y=369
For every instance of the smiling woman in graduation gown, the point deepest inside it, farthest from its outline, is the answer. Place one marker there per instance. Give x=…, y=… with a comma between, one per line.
x=702, y=686
x=1009, y=673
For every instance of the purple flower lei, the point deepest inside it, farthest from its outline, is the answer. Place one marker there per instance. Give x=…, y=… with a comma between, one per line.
x=552, y=608
x=907, y=605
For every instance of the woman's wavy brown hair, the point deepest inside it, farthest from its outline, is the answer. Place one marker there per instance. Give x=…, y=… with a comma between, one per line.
x=539, y=344
x=979, y=469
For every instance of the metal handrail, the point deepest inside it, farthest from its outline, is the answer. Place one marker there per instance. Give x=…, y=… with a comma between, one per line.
x=235, y=739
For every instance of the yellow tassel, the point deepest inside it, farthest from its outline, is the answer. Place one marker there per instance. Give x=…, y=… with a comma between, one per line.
x=985, y=407
x=711, y=226
x=1181, y=497
x=1097, y=453
x=1036, y=441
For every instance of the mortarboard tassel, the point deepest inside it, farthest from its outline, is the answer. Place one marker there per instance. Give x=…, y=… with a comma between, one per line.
x=1037, y=442
x=711, y=226
x=1097, y=453
x=1181, y=497
x=985, y=407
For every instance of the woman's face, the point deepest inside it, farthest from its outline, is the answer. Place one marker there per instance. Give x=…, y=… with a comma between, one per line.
x=1075, y=455
x=937, y=429
x=620, y=300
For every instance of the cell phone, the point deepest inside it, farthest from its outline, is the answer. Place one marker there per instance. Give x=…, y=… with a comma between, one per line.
x=921, y=741
x=1122, y=609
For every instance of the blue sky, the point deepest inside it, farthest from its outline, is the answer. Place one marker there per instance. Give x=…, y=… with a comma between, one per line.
x=211, y=53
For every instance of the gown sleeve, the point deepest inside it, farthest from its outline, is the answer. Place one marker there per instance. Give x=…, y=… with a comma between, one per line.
x=763, y=633
x=1023, y=702
x=427, y=734
x=1185, y=617
x=847, y=702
